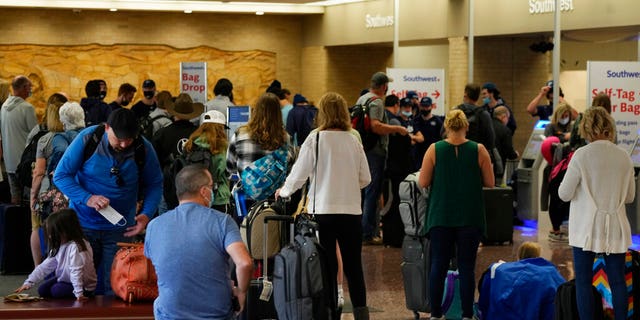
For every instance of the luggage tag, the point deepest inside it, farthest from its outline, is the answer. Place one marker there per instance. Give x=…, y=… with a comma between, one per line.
x=113, y=216
x=267, y=290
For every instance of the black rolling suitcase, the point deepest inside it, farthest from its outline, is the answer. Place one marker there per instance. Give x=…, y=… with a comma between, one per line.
x=15, y=232
x=499, y=214
x=260, y=305
x=416, y=266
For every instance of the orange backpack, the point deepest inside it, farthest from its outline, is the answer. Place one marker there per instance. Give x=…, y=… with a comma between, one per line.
x=133, y=277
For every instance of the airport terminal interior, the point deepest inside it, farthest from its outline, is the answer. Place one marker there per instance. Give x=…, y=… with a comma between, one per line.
x=313, y=47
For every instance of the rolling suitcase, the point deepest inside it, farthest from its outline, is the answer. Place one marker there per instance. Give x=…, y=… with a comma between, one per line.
x=260, y=305
x=15, y=232
x=499, y=215
x=415, y=267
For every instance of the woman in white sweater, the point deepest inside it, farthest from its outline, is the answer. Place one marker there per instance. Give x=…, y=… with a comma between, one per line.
x=599, y=181
x=338, y=170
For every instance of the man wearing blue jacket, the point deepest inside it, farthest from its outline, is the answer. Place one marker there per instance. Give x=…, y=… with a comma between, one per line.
x=109, y=178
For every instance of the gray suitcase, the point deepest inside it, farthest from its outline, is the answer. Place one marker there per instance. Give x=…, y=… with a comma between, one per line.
x=415, y=266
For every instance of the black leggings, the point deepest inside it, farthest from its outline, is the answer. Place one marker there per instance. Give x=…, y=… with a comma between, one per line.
x=347, y=229
x=558, y=209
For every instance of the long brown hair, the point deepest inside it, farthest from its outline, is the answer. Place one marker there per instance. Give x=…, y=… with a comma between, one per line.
x=62, y=226
x=213, y=133
x=265, y=126
x=333, y=113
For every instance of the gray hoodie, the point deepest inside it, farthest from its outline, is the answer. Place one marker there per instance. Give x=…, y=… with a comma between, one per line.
x=17, y=118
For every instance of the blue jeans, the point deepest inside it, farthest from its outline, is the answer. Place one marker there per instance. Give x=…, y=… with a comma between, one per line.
x=104, y=245
x=614, y=267
x=372, y=194
x=444, y=241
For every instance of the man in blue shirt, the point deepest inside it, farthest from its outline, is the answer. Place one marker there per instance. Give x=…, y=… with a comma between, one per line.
x=201, y=239
x=544, y=112
x=110, y=178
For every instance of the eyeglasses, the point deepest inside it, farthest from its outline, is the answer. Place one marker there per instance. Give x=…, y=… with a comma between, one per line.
x=115, y=171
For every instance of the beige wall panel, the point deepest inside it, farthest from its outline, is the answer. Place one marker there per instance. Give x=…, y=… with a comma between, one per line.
x=420, y=19
x=314, y=73
x=495, y=17
x=279, y=34
x=345, y=25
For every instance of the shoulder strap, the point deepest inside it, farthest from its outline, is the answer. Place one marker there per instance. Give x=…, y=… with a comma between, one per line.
x=92, y=144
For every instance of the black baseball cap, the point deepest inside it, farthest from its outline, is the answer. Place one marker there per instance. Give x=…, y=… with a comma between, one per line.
x=124, y=124
x=148, y=84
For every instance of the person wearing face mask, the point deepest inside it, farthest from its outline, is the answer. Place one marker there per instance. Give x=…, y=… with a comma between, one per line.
x=545, y=111
x=147, y=104
x=96, y=111
x=17, y=118
x=491, y=99
x=125, y=96
x=103, y=89
x=216, y=240
x=430, y=128
x=406, y=113
x=560, y=125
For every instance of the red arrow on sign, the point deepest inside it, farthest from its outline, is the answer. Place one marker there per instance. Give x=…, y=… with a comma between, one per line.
x=436, y=94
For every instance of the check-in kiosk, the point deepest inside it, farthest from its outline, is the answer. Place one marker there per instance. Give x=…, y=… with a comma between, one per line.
x=633, y=209
x=528, y=174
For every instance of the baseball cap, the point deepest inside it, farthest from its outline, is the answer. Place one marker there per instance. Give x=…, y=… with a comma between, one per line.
x=380, y=78
x=426, y=102
x=214, y=116
x=412, y=94
x=489, y=86
x=124, y=124
x=405, y=102
x=148, y=84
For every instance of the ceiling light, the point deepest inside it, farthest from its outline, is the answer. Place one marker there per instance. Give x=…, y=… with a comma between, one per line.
x=259, y=13
x=188, y=11
x=113, y=9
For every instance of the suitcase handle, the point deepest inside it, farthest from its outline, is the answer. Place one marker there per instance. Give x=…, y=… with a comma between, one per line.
x=266, y=236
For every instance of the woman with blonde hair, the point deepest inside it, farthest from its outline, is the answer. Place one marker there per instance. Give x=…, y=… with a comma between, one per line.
x=334, y=161
x=455, y=167
x=211, y=137
x=560, y=125
x=40, y=182
x=599, y=182
x=262, y=135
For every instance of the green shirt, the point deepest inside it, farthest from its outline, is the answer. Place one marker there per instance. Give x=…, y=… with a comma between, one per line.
x=456, y=191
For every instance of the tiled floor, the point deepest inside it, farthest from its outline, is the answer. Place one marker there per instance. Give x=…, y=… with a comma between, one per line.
x=385, y=291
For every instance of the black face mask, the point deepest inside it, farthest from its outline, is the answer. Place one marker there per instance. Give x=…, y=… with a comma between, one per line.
x=125, y=103
x=103, y=94
x=424, y=112
x=149, y=94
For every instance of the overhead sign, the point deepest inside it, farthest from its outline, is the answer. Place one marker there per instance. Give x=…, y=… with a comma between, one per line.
x=193, y=80
x=621, y=81
x=548, y=6
x=426, y=82
x=377, y=21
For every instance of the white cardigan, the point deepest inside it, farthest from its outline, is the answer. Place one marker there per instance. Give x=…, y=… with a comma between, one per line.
x=342, y=171
x=599, y=181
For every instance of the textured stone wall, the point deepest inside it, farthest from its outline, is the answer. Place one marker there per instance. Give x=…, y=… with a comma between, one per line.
x=68, y=68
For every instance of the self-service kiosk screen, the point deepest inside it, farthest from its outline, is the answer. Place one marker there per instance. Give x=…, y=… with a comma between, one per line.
x=635, y=154
x=532, y=149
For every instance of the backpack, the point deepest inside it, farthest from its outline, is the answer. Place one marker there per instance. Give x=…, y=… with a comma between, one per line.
x=146, y=124
x=133, y=277
x=60, y=142
x=473, y=117
x=197, y=155
x=264, y=176
x=566, y=305
x=252, y=230
x=28, y=160
x=414, y=203
x=361, y=121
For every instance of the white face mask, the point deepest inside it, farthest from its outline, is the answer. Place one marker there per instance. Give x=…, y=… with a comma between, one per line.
x=564, y=121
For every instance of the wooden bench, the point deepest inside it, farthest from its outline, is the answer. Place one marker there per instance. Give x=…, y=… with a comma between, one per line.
x=99, y=307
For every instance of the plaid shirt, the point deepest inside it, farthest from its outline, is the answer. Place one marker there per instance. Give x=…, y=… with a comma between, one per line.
x=243, y=151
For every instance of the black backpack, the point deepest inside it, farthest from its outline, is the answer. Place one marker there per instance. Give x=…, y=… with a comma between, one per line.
x=198, y=155
x=28, y=160
x=361, y=121
x=566, y=306
x=473, y=117
x=146, y=124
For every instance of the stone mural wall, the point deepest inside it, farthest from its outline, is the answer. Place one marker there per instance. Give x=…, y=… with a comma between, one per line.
x=68, y=68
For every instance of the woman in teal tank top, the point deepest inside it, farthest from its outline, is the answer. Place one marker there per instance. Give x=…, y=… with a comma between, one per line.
x=456, y=169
